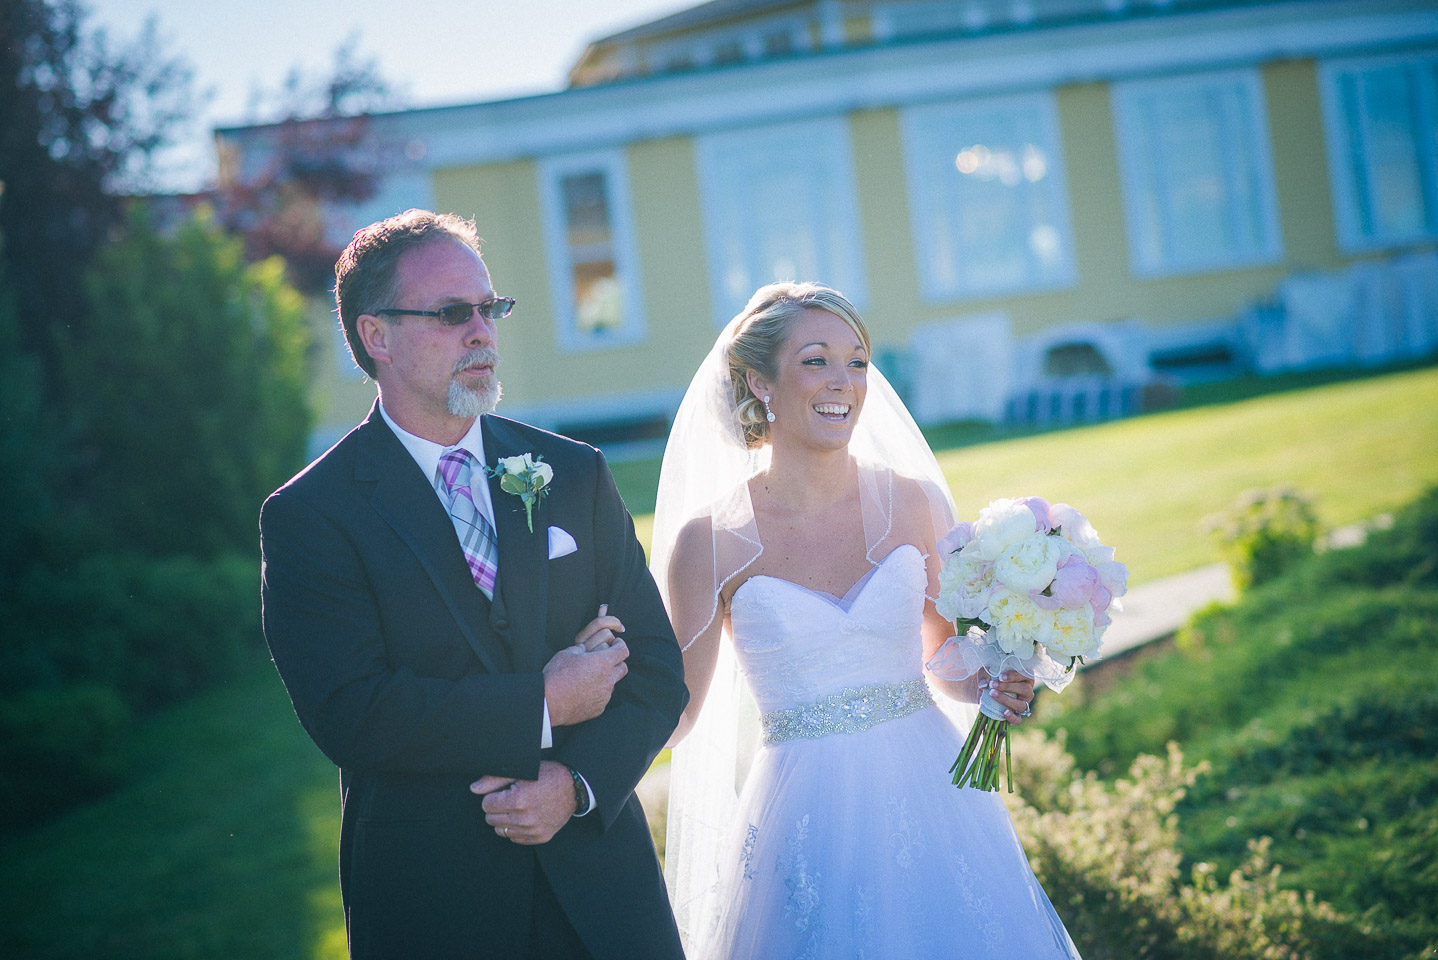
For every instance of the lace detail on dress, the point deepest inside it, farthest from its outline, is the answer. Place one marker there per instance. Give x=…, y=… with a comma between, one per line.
x=750, y=838
x=907, y=846
x=979, y=905
x=803, y=903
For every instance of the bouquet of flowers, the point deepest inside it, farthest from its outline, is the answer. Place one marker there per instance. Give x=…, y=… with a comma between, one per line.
x=1026, y=583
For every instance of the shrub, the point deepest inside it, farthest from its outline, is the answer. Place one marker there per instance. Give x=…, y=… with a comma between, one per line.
x=188, y=389
x=1311, y=698
x=1264, y=532
x=152, y=630
x=59, y=747
x=88, y=646
x=1108, y=856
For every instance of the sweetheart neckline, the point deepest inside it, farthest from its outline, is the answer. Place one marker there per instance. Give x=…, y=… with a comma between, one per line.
x=866, y=579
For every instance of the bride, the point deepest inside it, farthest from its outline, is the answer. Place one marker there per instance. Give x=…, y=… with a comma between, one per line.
x=796, y=537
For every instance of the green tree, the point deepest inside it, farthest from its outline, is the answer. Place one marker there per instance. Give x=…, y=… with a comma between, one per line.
x=80, y=120
x=28, y=447
x=189, y=388
x=318, y=153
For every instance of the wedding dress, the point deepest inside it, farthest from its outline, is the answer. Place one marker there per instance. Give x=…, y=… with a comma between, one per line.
x=850, y=842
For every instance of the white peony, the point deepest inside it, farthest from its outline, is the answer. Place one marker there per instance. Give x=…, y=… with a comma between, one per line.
x=1029, y=564
x=1018, y=622
x=1073, y=633
x=965, y=582
x=1000, y=524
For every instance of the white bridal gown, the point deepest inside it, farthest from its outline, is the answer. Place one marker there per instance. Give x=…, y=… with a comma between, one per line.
x=851, y=841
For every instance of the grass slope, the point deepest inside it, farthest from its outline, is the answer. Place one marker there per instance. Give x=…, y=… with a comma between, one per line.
x=223, y=845
x=1312, y=700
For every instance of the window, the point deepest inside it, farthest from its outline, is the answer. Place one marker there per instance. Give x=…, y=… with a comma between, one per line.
x=987, y=199
x=1197, y=178
x=779, y=204
x=1381, y=117
x=589, y=239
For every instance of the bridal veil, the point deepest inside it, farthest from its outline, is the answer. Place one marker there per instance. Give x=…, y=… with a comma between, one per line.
x=704, y=497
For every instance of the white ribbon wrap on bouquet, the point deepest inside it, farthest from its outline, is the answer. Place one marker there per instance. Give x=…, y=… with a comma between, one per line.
x=962, y=656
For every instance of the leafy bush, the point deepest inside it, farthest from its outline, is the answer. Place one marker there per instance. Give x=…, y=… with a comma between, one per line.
x=57, y=748
x=189, y=390
x=1264, y=533
x=87, y=646
x=152, y=630
x=1109, y=859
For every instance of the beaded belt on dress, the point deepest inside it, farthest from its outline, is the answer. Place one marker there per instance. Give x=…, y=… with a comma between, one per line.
x=851, y=710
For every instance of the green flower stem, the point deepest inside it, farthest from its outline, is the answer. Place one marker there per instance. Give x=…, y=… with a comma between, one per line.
x=1009, y=757
x=978, y=764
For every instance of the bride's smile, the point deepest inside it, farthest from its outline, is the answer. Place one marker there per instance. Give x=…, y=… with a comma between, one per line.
x=820, y=383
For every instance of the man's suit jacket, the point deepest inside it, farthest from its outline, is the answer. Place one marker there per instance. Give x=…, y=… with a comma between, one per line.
x=415, y=685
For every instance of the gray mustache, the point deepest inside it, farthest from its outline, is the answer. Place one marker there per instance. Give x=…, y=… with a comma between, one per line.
x=486, y=355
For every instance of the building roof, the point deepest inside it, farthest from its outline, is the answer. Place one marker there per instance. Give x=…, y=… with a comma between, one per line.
x=688, y=39
x=705, y=14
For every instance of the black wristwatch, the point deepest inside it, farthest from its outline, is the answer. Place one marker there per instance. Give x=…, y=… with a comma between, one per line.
x=581, y=793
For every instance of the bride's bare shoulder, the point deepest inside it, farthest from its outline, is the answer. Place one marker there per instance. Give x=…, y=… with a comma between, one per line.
x=919, y=509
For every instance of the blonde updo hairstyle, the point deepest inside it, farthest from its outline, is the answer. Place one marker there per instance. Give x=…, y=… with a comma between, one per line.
x=762, y=328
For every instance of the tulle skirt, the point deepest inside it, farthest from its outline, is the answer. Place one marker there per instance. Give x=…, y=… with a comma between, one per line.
x=858, y=846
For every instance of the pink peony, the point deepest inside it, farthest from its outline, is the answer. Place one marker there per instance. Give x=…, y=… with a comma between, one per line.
x=1075, y=582
x=957, y=538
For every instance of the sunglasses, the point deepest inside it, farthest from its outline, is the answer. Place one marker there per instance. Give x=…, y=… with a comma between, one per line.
x=454, y=314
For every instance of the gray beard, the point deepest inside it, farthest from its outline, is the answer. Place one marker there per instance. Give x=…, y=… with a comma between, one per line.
x=464, y=402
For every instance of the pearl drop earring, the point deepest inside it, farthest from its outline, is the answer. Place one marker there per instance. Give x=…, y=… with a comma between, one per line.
x=768, y=414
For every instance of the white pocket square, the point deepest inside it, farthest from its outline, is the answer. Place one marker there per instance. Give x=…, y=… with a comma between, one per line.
x=561, y=544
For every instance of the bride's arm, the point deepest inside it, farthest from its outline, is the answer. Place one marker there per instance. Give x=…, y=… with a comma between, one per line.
x=936, y=631
x=694, y=604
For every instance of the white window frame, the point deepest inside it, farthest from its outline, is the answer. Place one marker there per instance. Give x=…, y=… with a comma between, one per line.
x=920, y=142
x=1138, y=169
x=1340, y=139
x=822, y=148
x=550, y=172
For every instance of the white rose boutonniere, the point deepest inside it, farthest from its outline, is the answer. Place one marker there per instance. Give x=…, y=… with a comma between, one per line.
x=527, y=477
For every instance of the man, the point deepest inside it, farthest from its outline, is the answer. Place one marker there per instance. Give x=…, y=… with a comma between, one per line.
x=488, y=720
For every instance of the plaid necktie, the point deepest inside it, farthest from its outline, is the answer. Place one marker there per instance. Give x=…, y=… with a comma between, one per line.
x=476, y=533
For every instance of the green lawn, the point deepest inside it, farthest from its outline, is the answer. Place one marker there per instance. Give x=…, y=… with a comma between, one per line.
x=224, y=842
x=223, y=845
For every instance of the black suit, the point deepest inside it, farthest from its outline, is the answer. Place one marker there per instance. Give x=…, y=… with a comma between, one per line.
x=415, y=685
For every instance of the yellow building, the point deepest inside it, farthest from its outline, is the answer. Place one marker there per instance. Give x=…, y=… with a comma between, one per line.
x=1040, y=206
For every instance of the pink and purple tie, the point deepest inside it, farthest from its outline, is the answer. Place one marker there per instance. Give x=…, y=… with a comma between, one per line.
x=476, y=533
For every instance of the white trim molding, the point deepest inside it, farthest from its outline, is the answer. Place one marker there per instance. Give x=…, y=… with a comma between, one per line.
x=564, y=255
